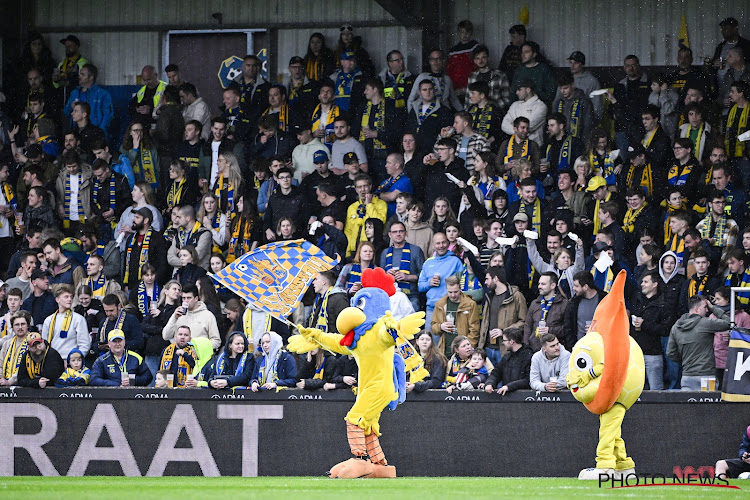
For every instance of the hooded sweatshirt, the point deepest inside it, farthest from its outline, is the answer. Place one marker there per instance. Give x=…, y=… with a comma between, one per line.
x=201, y=321
x=672, y=283
x=691, y=342
x=446, y=265
x=542, y=369
x=276, y=366
x=71, y=377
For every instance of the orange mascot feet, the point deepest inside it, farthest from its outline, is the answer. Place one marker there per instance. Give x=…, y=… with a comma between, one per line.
x=352, y=469
x=382, y=471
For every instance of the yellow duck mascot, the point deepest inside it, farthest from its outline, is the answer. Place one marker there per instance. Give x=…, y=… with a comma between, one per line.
x=371, y=335
x=606, y=374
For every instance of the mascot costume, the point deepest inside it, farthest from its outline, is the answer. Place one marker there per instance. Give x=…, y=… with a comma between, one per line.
x=606, y=374
x=377, y=342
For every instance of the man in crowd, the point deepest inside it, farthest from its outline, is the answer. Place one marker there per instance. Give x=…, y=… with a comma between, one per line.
x=579, y=313
x=455, y=314
x=529, y=106
x=497, y=81
x=427, y=115
x=403, y=261
x=562, y=148
x=584, y=81
x=253, y=89
x=66, y=330
x=518, y=146
x=575, y=105
x=469, y=143
x=397, y=80
x=504, y=307
x=148, y=97
x=486, y=116
x=287, y=201
x=367, y=206
x=22, y=280
x=627, y=102
x=110, y=196
x=434, y=272
x=650, y=319
x=546, y=313
x=345, y=145
x=119, y=367
x=442, y=84
x=537, y=72
x=117, y=319
x=101, y=112
x=325, y=114
x=190, y=232
x=329, y=302
x=195, y=108
x=193, y=313
x=145, y=245
x=40, y=303
x=437, y=181
x=549, y=366
x=396, y=182
x=41, y=365
x=61, y=267
x=74, y=185
x=514, y=370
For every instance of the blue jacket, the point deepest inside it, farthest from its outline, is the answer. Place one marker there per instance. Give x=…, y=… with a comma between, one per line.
x=286, y=371
x=236, y=377
x=100, y=101
x=106, y=370
x=745, y=446
x=445, y=266
x=40, y=307
x=131, y=327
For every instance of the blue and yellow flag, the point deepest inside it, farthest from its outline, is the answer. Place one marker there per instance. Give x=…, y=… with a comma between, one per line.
x=737, y=375
x=683, y=41
x=275, y=276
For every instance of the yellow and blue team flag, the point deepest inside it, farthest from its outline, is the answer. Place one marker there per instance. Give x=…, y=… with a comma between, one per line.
x=274, y=277
x=683, y=40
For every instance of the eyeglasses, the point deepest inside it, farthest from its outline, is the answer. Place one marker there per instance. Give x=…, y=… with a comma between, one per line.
x=285, y=178
x=346, y=28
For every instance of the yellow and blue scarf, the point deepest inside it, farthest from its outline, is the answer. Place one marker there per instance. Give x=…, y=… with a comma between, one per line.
x=403, y=266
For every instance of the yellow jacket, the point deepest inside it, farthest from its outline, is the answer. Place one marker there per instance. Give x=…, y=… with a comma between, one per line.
x=355, y=225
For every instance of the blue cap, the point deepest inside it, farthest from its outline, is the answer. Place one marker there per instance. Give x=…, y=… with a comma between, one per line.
x=320, y=156
x=347, y=55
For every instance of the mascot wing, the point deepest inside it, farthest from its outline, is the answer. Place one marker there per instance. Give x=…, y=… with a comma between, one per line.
x=411, y=325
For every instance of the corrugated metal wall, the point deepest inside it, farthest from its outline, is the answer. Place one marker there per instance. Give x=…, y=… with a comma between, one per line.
x=606, y=31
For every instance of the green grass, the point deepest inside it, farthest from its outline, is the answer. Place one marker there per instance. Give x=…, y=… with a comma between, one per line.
x=313, y=488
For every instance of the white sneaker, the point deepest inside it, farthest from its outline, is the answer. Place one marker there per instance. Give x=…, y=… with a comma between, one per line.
x=593, y=474
x=624, y=473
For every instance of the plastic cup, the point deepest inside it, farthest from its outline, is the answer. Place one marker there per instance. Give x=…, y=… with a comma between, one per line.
x=191, y=376
x=170, y=380
x=704, y=384
x=711, y=384
x=131, y=378
x=124, y=376
x=553, y=379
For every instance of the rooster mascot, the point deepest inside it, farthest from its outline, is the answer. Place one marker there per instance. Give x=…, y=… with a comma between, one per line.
x=606, y=374
x=375, y=339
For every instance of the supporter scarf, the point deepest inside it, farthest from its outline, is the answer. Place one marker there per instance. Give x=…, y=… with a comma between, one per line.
x=314, y=69
x=321, y=308
x=646, y=181
x=679, y=177
x=144, y=167
x=455, y=365
x=142, y=259
x=563, y=160
x=486, y=188
x=13, y=357
x=33, y=368
x=650, y=137
x=68, y=64
x=734, y=130
x=112, y=197
x=225, y=194
x=536, y=215
x=388, y=183
x=67, y=318
x=482, y=118
x=677, y=245
x=321, y=369
x=697, y=140
x=574, y=120
x=185, y=235
x=468, y=284
x=607, y=170
x=603, y=280
x=743, y=297
x=510, y=152
x=667, y=218
x=344, y=83
x=334, y=113
x=10, y=199
x=4, y=326
x=437, y=80
x=697, y=285
x=628, y=223
x=423, y=113
x=269, y=374
x=175, y=193
x=294, y=91
x=403, y=266
x=395, y=89
x=144, y=299
x=240, y=245
x=32, y=120
x=377, y=125
x=118, y=326
x=283, y=114
x=720, y=230
x=98, y=286
x=247, y=324
x=81, y=214
x=546, y=304
x=215, y=223
x=183, y=369
x=123, y=363
x=355, y=274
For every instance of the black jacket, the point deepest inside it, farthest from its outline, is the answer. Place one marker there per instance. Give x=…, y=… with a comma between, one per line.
x=390, y=134
x=513, y=370
x=430, y=128
x=123, y=197
x=293, y=205
x=435, y=380
x=671, y=295
x=52, y=368
x=344, y=367
x=437, y=184
x=656, y=322
x=157, y=257
x=712, y=283
x=306, y=371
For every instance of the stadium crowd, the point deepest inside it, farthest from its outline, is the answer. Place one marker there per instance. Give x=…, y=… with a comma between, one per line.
x=502, y=201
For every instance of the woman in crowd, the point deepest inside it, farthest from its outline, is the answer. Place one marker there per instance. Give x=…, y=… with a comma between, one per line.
x=38, y=211
x=319, y=61
x=316, y=370
x=564, y=266
x=599, y=159
x=452, y=233
x=189, y=270
x=228, y=186
x=143, y=196
x=460, y=350
x=418, y=232
x=275, y=367
x=374, y=232
x=207, y=295
x=648, y=260
x=217, y=263
x=584, y=173
x=245, y=230
x=522, y=169
x=213, y=220
x=233, y=367
x=350, y=278
x=485, y=181
x=413, y=166
x=442, y=214
x=434, y=362
x=169, y=300
x=146, y=295
x=138, y=146
x=180, y=190
x=285, y=229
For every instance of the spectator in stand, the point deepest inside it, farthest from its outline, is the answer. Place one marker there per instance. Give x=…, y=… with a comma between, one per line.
x=511, y=58
x=455, y=314
x=418, y=232
x=487, y=116
x=270, y=140
x=140, y=151
x=722, y=300
x=650, y=319
x=497, y=82
x=468, y=143
x=119, y=367
x=665, y=98
x=15, y=345
x=349, y=82
x=427, y=114
x=170, y=128
x=546, y=313
x=397, y=80
x=513, y=371
x=350, y=43
x=275, y=367
x=691, y=341
x=580, y=309
x=504, y=307
x=319, y=62
x=627, y=102
x=461, y=57
x=40, y=303
x=575, y=105
x=41, y=365
x=233, y=367
x=101, y=111
x=529, y=106
x=316, y=370
x=443, y=86
x=367, y=206
x=195, y=108
x=434, y=272
x=434, y=360
x=179, y=358
x=403, y=261
x=534, y=68
x=437, y=171
x=549, y=366
x=195, y=314
x=345, y=146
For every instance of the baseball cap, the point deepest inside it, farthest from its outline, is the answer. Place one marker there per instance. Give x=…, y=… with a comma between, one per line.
x=296, y=60
x=320, y=156
x=115, y=334
x=729, y=21
x=595, y=183
x=71, y=38
x=521, y=217
x=145, y=212
x=526, y=82
x=348, y=55
x=38, y=273
x=350, y=157
x=578, y=57
x=34, y=151
x=33, y=338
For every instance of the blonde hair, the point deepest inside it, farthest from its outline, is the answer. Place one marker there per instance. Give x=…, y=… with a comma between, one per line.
x=234, y=175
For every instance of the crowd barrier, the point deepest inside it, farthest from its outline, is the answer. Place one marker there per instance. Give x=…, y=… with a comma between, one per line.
x=150, y=432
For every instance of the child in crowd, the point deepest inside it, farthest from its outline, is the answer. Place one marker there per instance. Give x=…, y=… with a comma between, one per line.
x=161, y=380
x=76, y=373
x=473, y=374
